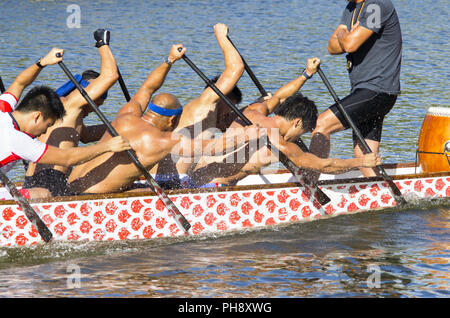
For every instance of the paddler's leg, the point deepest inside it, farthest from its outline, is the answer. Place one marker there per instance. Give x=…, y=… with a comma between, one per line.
x=374, y=146
x=327, y=124
x=371, y=131
x=358, y=105
x=39, y=193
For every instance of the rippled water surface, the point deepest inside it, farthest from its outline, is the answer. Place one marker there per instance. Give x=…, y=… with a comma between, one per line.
x=409, y=249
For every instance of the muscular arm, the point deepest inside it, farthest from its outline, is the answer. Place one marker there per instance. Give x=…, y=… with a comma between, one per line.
x=284, y=92
x=329, y=165
x=267, y=107
x=78, y=155
x=229, y=141
x=24, y=79
x=154, y=81
x=334, y=47
x=348, y=41
x=97, y=87
x=234, y=67
x=139, y=102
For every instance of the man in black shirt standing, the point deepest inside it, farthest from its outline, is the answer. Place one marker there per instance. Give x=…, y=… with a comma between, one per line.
x=369, y=34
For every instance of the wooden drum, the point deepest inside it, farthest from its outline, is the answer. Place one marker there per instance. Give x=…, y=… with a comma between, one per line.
x=434, y=140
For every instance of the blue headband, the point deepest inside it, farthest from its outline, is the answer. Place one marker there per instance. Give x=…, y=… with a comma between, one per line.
x=68, y=87
x=165, y=111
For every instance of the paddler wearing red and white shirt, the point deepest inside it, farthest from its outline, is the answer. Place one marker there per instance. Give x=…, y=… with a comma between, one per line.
x=39, y=110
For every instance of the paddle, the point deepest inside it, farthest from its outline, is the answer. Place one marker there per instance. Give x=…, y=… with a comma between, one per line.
x=366, y=149
x=30, y=213
x=250, y=72
x=2, y=87
x=153, y=184
x=296, y=171
x=123, y=86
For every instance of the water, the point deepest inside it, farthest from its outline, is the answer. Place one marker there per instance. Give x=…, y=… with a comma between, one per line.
x=329, y=258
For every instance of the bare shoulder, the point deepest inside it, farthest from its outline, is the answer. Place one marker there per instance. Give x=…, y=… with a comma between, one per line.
x=258, y=107
x=196, y=111
x=257, y=118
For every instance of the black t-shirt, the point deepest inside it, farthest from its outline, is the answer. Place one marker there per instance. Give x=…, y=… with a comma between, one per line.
x=376, y=64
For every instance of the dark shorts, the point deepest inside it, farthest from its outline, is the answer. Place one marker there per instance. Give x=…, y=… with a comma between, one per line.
x=53, y=180
x=367, y=109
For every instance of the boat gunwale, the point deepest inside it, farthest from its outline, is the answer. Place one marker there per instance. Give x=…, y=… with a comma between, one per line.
x=323, y=183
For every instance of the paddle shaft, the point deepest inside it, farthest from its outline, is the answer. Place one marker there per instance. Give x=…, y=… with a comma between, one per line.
x=123, y=86
x=299, y=142
x=153, y=184
x=365, y=147
x=250, y=72
x=30, y=213
x=296, y=171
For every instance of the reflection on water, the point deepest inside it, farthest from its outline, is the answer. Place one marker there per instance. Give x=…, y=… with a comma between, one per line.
x=372, y=254
x=337, y=257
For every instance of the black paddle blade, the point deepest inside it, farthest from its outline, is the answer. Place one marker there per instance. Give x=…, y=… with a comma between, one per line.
x=322, y=197
x=41, y=227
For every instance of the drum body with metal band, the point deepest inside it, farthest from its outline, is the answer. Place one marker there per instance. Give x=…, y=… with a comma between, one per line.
x=434, y=140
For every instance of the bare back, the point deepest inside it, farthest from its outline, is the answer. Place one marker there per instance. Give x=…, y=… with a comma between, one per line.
x=207, y=169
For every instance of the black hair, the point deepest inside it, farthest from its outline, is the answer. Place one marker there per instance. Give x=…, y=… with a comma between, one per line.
x=298, y=106
x=89, y=74
x=235, y=94
x=43, y=99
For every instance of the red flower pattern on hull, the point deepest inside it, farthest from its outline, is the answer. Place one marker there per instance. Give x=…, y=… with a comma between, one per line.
x=147, y=217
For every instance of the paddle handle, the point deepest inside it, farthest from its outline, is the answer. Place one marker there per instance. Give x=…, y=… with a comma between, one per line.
x=296, y=171
x=153, y=184
x=365, y=147
x=30, y=213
